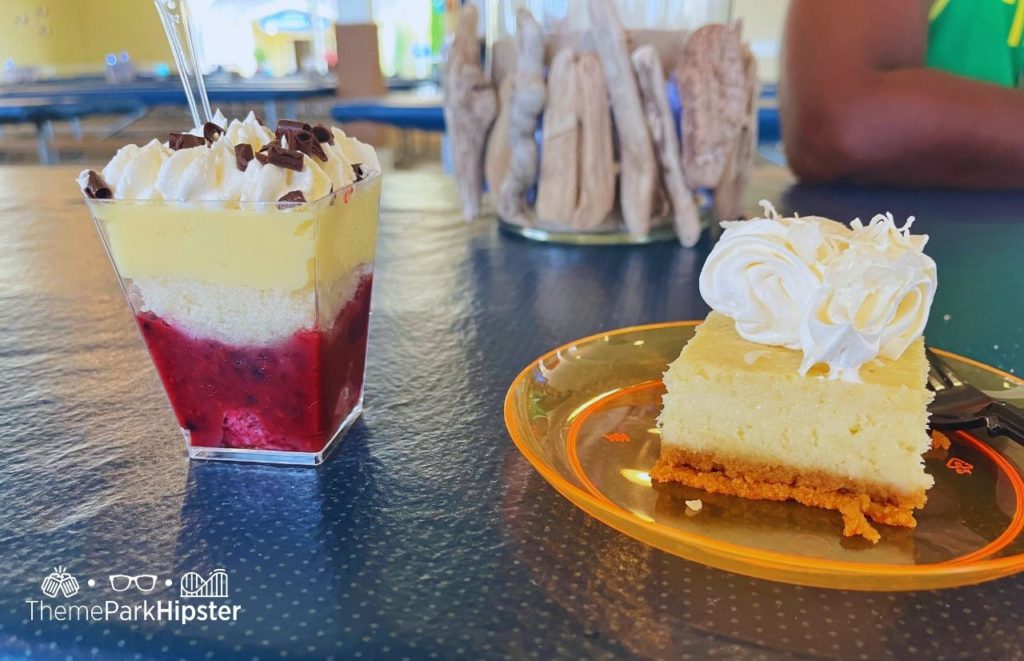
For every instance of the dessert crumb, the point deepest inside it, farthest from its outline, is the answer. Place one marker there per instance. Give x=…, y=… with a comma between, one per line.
x=694, y=505
x=947, y=317
x=940, y=445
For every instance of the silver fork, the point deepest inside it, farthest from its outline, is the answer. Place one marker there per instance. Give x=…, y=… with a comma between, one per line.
x=958, y=405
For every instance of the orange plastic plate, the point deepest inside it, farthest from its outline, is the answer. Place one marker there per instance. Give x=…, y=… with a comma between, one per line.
x=584, y=416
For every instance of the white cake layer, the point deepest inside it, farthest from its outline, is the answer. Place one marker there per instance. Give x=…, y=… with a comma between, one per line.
x=240, y=315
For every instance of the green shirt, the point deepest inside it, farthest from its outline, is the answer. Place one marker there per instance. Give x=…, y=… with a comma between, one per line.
x=979, y=39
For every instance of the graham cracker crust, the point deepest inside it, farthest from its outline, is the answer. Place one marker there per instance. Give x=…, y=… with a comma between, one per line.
x=856, y=502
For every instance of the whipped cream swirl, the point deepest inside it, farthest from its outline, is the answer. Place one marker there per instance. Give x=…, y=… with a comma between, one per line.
x=842, y=296
x=211, y=173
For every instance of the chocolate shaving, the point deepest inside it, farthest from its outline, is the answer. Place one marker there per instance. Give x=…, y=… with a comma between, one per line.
x=285, y=138
x=96, y=188
x=292, y=125
x=318, y=150
x=178, y=141
x=261, y=153
x=285, y=158
x=289, y=198
x=243, y=155
x=212, y=132
x=360, y=171
x=323, y=134
x=307, y=143
x=273, y=152
x=293, y=196
x=288, y=132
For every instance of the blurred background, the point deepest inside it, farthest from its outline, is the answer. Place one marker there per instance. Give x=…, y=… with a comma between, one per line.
x=81, y=78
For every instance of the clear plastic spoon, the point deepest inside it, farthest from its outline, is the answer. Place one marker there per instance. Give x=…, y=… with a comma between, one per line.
x=174, y=16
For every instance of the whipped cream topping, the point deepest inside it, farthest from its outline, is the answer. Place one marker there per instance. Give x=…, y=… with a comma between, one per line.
x=199, y=173
x=842, y=296
x=135, y=169
x=211, y=172
x=270, y=182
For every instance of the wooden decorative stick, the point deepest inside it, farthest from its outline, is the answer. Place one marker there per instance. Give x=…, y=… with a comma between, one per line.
x=597, y=153
x=559, y=165
x=713, y=91
x=469, y=109
x=527, y=102
x=638, y=170
x=497, y=158
x=660, y=121
x=732, y=188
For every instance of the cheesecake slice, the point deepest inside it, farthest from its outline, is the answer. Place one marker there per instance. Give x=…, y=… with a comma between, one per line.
x=740, y=418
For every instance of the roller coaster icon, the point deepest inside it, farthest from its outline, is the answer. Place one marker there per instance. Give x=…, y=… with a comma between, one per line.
x=214, y=586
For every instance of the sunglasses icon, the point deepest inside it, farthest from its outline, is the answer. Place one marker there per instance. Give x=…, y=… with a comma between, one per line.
x=142, y=582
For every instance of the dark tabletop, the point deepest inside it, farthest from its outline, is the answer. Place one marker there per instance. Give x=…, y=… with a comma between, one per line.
x=425, y=534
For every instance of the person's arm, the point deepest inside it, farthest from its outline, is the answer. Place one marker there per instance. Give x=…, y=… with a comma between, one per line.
x=858, y=104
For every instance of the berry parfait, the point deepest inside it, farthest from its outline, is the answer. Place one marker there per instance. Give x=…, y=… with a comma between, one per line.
x=246, y=256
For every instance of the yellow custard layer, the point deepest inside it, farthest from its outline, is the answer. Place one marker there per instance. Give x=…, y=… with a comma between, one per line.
x=261, y=247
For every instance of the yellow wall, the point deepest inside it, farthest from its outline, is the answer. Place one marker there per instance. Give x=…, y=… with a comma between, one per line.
x=762, y=28
x=69, y=36
x=37, y=32
x=279, y=50
x=110, y=26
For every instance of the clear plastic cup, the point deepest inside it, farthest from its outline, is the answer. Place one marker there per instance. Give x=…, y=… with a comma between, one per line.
x=255, y=315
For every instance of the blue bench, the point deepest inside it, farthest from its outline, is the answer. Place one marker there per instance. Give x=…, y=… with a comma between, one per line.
x=72, y=98
x=40, y=111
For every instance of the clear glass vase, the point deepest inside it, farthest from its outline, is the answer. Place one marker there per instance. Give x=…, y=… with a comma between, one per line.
x=663, y=24
x=255, y=315
x=659, y=15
